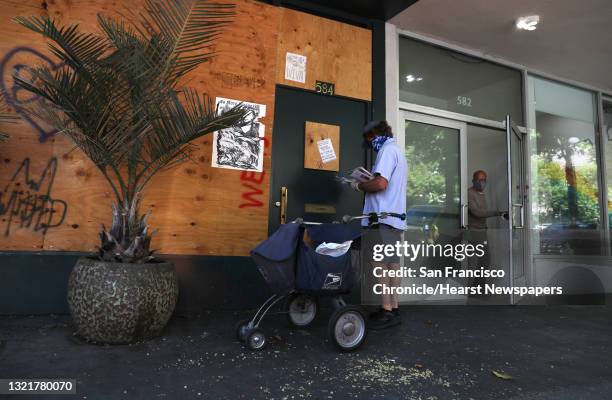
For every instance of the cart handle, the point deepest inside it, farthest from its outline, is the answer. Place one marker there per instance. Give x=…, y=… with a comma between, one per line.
x=372, y=217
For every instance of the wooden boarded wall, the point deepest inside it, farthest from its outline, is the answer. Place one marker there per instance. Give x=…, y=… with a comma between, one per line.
x=197, y=209
x=337, y=53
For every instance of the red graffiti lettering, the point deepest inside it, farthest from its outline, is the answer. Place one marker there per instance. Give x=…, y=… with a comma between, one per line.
x=250, y=176
x=253, y=202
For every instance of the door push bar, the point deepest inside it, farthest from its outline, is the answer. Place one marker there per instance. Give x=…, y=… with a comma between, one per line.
x=521, y=215
x=463, y=215
x=283, y=204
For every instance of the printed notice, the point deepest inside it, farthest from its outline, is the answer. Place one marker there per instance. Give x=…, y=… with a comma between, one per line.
x=326, y=149
x=295, y=67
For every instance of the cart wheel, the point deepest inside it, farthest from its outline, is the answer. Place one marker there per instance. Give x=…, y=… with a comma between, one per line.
x=256, y=339
x=347, y=328
x=242, y=328
x=301, y=310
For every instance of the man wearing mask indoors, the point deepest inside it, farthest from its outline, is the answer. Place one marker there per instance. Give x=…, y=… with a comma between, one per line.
x=478, y=214
x=386, y=192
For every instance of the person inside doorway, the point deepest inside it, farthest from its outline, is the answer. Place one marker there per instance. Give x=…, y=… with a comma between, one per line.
x=386, y=192
x=478, y=214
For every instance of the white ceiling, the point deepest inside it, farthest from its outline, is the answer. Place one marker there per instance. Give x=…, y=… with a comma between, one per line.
x=573, y=40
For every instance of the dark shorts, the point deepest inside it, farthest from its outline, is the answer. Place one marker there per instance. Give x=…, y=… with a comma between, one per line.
x=381, y=234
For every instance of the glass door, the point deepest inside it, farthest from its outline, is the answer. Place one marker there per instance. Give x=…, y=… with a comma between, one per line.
x=436, y=198
x=442, y=156
x=517, y=202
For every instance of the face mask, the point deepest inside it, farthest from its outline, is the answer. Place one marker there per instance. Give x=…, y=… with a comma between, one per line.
x=378, y=142
x=480, y=185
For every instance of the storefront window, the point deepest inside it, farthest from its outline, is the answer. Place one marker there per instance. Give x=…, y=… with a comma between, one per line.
x=447, y=80
x=607, y=138
x=564, y=185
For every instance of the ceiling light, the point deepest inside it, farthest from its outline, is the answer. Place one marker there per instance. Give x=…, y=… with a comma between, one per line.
x=573, y=140
x=528, y=23
x=411, y=78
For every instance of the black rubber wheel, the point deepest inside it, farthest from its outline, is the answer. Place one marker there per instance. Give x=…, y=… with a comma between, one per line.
x=347, y=328
x=242, y=329
x=301, y=310
x=256, y=339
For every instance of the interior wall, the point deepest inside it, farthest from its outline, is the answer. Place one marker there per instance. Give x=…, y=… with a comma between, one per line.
x=486, y=148
x=197, y=209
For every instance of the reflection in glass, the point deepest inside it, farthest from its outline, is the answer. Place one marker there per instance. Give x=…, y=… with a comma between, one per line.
x=433, y=196
x=447, y=80
x=607, y=138
x=564, y=182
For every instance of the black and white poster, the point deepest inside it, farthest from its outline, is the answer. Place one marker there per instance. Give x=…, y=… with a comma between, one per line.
x=240, y=148
x=295, y=67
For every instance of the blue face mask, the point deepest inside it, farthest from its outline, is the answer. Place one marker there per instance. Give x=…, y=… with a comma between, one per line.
x=378, y=142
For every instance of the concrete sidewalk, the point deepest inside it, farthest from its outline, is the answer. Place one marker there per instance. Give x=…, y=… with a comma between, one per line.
x=439, y=353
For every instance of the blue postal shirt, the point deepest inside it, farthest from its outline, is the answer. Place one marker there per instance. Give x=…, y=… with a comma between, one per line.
x=390, y=164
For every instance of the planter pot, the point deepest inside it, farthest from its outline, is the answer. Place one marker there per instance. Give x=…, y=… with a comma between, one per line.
x=121, y=303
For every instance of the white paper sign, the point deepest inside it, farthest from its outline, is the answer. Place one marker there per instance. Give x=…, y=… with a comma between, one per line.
x=240, y=148
x=295, y=67
x=326, y=150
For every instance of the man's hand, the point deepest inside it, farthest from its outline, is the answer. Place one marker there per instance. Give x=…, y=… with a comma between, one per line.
x=354, y=184
x=374, y=185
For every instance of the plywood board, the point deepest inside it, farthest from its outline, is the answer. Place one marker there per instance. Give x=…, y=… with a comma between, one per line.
x=197, y=209
x=317, y=138
x=336, y=52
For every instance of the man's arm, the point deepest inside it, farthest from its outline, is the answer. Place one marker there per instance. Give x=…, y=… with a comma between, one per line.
x=479, y=212
x=383, y=169
x=374, y=185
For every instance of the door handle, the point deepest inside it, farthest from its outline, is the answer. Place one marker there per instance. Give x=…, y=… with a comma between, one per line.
x=283, y=204
x=463, y=222
x=521, y=216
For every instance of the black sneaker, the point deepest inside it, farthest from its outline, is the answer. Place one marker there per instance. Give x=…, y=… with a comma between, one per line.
x=396, y=312
x=386, y=319
x=376, y=314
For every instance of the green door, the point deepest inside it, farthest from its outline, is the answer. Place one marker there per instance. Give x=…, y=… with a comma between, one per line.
x=312, y=194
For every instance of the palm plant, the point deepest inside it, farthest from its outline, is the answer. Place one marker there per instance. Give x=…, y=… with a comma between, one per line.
x=5, y=116
x=116, y=96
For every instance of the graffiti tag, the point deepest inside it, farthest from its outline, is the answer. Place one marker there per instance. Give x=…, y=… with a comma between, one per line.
x=13, y=64
x=252, y=181
x=29, y=200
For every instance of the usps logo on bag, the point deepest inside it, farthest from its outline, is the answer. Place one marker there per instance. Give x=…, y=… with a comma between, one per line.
x=333, y=280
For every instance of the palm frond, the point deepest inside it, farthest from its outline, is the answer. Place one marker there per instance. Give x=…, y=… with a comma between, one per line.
x=80, y=51
x=184, y=31
x=181, y=121
x=5, y=117
x=116, y=97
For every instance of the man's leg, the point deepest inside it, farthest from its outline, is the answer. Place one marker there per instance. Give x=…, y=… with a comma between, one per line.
x=384, y=280
x=386, y=317
x=395, y=283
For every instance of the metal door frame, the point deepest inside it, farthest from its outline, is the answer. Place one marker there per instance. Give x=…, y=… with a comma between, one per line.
x=445, y=123
x=454, y=120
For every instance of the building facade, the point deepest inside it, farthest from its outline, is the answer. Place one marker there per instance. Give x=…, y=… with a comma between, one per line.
x=545, y=142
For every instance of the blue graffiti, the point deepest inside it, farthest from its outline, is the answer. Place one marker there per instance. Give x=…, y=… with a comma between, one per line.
x=17, y=97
